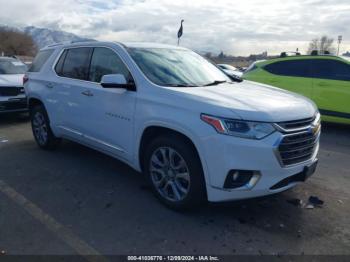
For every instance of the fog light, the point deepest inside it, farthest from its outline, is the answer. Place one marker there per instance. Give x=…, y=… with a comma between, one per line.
x=241, y=178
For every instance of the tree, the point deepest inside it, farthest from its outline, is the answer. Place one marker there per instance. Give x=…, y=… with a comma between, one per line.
x=322, y=45
x=221, y=55
x=16, y=43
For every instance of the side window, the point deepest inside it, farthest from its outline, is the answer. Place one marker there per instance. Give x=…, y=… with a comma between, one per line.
x=104, y=62
x=59, y=65
x=331, y=69
x=76, y=63
x=40, y=60
x=297, y=68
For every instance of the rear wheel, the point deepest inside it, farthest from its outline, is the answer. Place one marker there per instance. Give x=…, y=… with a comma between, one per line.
x=175, y=172
x=41, y=128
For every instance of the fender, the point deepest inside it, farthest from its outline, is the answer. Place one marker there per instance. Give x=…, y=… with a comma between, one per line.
x=175, y=126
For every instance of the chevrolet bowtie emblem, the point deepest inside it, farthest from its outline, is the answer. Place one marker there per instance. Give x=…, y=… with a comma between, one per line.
x=315, y=128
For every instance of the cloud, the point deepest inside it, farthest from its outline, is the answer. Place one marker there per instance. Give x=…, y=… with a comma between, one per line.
x=242, y=27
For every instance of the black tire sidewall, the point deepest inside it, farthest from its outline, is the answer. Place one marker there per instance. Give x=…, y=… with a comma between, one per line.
x=51, y=141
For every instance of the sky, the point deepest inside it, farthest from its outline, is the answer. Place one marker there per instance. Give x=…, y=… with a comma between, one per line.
x=235, y=27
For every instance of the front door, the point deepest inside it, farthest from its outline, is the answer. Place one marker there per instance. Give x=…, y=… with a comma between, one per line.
x=293, y=75
x=107, y=116
x=331, y=87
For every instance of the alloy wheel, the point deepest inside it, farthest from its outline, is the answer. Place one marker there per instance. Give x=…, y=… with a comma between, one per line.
x=170, y=174
x=40, y=128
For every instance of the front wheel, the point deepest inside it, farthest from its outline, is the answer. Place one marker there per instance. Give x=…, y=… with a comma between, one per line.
x=41, y=128
x=175, y=172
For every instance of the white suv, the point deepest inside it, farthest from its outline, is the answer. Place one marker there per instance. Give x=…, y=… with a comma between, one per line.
x=168, y=112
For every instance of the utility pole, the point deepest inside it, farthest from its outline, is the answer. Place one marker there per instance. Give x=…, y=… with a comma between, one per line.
x=340, y=38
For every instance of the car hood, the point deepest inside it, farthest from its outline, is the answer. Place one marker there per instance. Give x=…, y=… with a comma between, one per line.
x=11, y=80
x=253, y=101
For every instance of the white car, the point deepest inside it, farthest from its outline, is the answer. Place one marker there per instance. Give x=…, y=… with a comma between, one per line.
x=230, y=70
x=12, y=96
x=169, y=113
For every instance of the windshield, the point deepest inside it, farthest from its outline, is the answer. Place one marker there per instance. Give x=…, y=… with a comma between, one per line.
x=12, y=66
x=176, y=67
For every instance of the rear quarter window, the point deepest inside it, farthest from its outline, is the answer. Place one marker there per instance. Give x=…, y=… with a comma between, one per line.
x=40, y=60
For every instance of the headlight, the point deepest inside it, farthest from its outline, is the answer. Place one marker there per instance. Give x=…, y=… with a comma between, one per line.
x=240, y=128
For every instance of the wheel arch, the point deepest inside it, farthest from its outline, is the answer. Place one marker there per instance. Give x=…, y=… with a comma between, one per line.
x=33, y=101
x=154, y=130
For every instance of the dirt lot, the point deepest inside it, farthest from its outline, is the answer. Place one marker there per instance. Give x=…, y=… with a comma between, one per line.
x=77, y=201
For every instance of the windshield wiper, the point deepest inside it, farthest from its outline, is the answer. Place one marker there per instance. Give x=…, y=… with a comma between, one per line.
x=216, y=82
x=181, y=85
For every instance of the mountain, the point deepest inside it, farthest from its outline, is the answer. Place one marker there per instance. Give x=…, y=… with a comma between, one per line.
x=44, y=36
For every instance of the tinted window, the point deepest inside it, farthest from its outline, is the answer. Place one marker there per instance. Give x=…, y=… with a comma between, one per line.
x=40, y=60
x=105, y=62
x=76, y=63
x=298, y=68
x=59, y=65
x=331, y=69
x=12, y=66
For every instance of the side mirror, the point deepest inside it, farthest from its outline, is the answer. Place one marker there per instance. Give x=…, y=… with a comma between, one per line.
x=116, y=81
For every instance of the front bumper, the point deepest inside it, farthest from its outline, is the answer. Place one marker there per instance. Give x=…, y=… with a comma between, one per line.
x=13, y=104
x=224, y=153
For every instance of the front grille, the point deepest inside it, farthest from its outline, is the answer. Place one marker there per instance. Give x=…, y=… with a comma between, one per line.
x=11, y=90
x=298, y=124
x=298, y=147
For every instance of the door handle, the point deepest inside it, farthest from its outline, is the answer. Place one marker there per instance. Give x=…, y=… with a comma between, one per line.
x=49, y=85
x=87, y=93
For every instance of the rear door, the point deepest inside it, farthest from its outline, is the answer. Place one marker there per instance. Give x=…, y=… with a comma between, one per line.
x=331, y=86
x=72, y=69
x=292, y=75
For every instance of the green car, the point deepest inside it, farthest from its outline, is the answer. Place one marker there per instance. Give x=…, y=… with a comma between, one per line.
x=324, y=79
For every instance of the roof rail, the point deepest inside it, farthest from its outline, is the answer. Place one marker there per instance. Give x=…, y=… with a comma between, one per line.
x=72, y=42
x=285, y=54
x=82, y=41
x=55, y=44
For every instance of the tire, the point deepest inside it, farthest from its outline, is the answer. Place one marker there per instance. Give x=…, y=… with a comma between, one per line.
x=189, y=191
x=41, y=128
